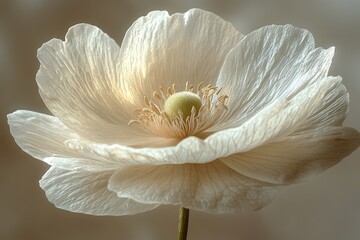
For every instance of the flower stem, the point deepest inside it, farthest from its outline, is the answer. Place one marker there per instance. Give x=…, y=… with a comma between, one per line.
x=183, y=223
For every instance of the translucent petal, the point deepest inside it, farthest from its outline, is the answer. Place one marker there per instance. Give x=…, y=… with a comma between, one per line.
x=296, y=157
x=79, y=81
x=40, y=135
x=331, y=111
x=43, y=137
x=161, y=50
x=269, y=63
x=211, y=187
x=86, y=192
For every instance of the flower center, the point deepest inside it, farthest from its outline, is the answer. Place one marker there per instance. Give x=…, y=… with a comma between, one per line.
x=180, y=114
x=182, y=103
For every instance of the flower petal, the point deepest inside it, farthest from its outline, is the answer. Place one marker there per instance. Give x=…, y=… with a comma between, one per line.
x=79, y=82
x=279, y=119
x=211, y=187
x=331, y=111
x=86, y=192
x=40, y=135
x=161, y=50
x=269, y=63
x=43, y=137
x=295, y=158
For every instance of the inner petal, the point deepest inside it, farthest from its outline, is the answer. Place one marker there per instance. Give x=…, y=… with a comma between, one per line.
x=182, y=47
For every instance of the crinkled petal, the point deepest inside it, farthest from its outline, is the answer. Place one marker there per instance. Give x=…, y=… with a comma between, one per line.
x=331, y=111
x=43, y=137
x=277, y=120
x=79, y=81
x=295, y=158
x=211, y=187
x=87, y=192
x=161, y=50
x=269, y=63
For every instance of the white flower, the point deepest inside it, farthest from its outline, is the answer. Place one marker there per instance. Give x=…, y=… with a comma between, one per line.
x=268, y=115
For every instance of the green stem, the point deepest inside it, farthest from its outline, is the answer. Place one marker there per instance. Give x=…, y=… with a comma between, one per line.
x=183, y=223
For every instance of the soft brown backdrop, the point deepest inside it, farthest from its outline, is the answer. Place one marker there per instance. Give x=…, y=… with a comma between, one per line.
x=328, y=207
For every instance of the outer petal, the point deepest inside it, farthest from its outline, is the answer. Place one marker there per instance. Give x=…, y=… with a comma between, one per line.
x=40, y=135
x=331, y=111
x=279, y=119
x=86, y=192
x=211, y=187
x=43, y=137
x=295, y=158
x=161, y=50
x=79, y=81
x=269, y=63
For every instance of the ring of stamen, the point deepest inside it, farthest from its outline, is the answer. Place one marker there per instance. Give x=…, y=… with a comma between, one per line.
x=153, y=117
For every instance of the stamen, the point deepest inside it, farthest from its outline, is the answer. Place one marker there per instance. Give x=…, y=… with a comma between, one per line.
x=146, y=100
x=154, y=118
x=156, y=95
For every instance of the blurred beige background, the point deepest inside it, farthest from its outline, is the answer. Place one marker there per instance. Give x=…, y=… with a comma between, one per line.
x=327, y=207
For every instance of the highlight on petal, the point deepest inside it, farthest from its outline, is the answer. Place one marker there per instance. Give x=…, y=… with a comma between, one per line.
x=161, y=50
x=211, y=187
x=79, y=81
x=270, y=63
x=86, y=192
x=331, y=111
x=296, y=157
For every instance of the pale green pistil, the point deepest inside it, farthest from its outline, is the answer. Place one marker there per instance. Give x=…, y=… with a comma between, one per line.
x=182, y=102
